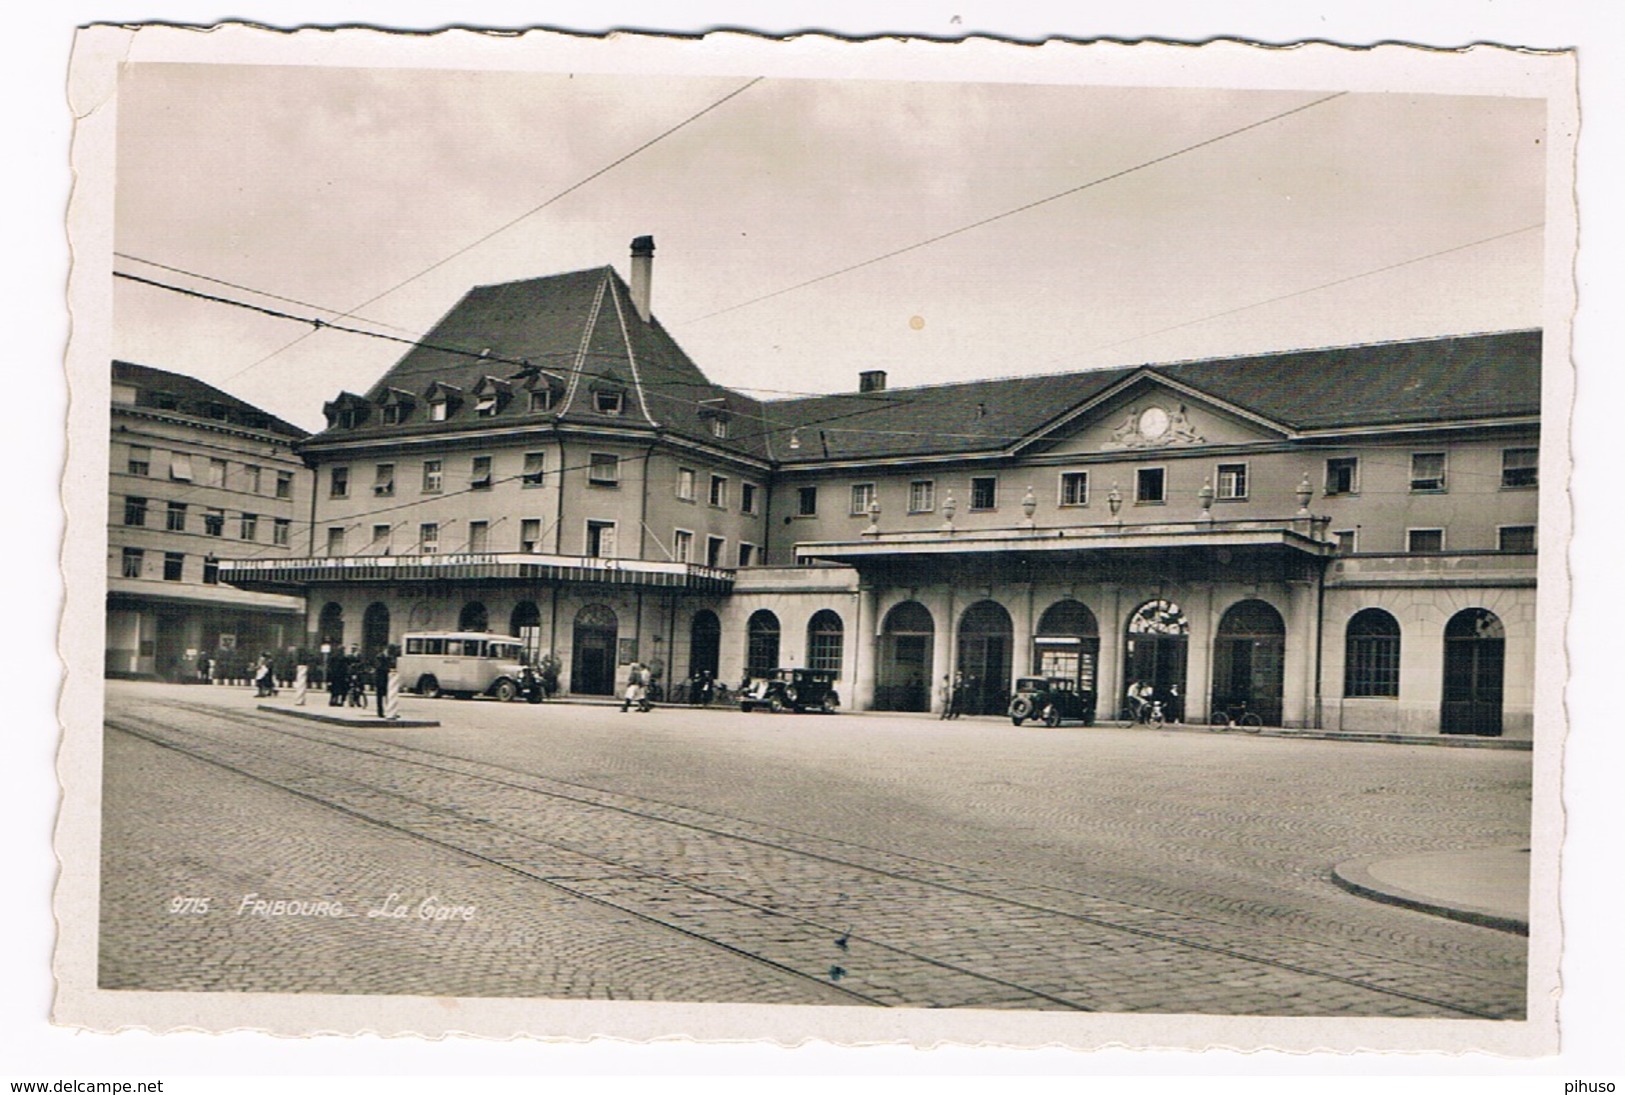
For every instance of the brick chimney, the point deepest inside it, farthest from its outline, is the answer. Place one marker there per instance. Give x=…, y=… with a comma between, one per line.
x=643, y=260
x=872, y=380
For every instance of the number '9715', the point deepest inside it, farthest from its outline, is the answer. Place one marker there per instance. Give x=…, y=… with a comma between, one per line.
x=194, y=905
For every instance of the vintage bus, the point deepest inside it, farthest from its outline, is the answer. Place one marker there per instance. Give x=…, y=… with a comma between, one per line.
x=462, y=664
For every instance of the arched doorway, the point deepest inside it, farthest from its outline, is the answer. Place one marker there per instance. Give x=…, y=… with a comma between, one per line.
x=761, y=643
x=525, y=624
x=904, y=679
x=1249, y=652
x=705, y=643
x=473, y=617
x=1067, y=644
x=1474, y=668
x=374, y=629
x=330, y=627
x=985, y=635
x=592, y=662
x=1154, y=653
x=826, y=640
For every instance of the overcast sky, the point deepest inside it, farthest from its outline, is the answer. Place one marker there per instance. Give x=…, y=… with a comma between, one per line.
x=331, y=186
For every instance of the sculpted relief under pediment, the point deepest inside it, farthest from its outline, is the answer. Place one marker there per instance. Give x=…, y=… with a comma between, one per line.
x=1153, y=425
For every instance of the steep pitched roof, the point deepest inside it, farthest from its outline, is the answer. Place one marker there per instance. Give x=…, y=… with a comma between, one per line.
x=195, y=399
x=582, y=328
x=1439, y=380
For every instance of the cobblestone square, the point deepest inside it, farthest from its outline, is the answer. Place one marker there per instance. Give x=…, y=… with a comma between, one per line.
x=709, y=855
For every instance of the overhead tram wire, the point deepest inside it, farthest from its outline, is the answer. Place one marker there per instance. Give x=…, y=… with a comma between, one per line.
x=1020, y=208
x=572, y=188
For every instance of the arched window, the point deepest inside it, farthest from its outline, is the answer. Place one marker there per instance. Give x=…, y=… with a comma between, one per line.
x=762, y=643
x=1371, y=655
x=825, y=641
x=525, y=622
x=330, y=629
x=903, y=682
x=374, y=629
x=473, y=617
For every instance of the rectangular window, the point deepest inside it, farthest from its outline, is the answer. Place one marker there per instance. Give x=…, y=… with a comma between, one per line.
x=211, y=570
x=135, y=512
x=479, y=536
x=1427, y=471
x=339, y=483
x=175, y=519
x=383, y=480
x=335, y=542
x=719, y=491
x=601, y=539
x=284, y=484
x=682, y=545
x=1372, y=662
x=541, y=400
x=719, y=428
x=714, y=547
x=608, y=402
x=1346, y=540
x=984, y=492
x=281, y=531
x=1343, y=475
x=747, y=498
x=432, y=476
x=1231, y=482
x=1074, y=488
x=862, y=495
x=1520, y=467
x=248, y=528
x=252, y=478
x=530, y=535
x=535, y=468
x=140, y=460
x=132, y=562
x=380, y=542
x=180, y=467
x=437, y=411
x=1424, y=541
x=480, y=474
x=485, y=406
x=214, y=522
x=1519, y=538
x=174, y=565
x=806, y=501
x=604, y=469
x=685, y=484
x=429, y=538
x=1150, y=486
x=217, y=473
x=393, y=415
x=922, y=496
x=747, y=554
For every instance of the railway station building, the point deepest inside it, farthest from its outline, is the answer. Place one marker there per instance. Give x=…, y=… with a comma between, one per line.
x=1341, y=538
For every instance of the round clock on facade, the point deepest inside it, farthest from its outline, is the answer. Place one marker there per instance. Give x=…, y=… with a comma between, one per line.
x=1153, y=422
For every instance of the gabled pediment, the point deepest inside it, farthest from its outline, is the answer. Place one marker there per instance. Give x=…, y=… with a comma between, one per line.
x=1148, y=412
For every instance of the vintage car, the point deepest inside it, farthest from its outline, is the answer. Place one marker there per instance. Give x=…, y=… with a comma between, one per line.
x=1051, y=700
x=791, y=690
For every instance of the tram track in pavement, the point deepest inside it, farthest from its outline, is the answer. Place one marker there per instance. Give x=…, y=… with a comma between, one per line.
x=919, y=932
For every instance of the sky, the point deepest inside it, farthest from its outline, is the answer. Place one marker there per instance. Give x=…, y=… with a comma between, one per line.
x=1029, y=228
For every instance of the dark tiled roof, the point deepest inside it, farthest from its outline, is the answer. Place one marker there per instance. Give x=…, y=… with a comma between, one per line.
x=1429, y=380
x=195, y=399
x=582, y=333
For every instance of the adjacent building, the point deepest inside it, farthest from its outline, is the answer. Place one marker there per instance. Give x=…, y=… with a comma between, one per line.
x=196, y=477
x=1341, y=538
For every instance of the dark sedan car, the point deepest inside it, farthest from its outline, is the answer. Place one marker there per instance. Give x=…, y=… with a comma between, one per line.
x=1051, y=700
x=792, y=690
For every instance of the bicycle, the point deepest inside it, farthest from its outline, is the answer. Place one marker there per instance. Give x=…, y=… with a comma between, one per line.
x=1234, y=716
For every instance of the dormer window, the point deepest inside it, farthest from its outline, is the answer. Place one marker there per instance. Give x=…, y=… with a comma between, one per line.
x=715, y=413
x=351, y=417
x=609, y=401
x=541, y=400
x=486, y=405
x=443, y=400
x=437, y=411
x=719, y=428
x=347, y=411
x=394, y=414
x=396, y=406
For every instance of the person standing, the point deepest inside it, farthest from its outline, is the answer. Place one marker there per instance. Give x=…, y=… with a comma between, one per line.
x=380, y=677
x=338, y=679
x=633, y=693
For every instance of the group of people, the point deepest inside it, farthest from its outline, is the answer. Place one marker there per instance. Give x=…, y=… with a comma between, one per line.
x=702, y=688
x=347, y=673
x=1143, y=698
x=639, y=679
x=954, y=691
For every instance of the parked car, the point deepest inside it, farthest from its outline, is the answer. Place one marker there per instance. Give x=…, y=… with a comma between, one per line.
x=1051, y=700
x=792, y=690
